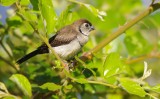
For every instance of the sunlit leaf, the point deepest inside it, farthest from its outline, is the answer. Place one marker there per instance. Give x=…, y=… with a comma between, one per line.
x=7, y=2
x=24, y=2
x=63, y=16
x=29, y=15
x=10, y=97
x=112, y=65
x=14, y=21
x=23, y=83
x=114, y=96
x=3, y=87
x=92, y=9
x=4, y=95
x=48, y=14
x=95, y=11
x=147, y=72
x=69, y=87
x=50, y=86
x=136, y=44
x=132, y=87
x=156, y=88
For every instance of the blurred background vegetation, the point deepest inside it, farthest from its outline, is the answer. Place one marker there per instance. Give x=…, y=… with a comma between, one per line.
x=115, y=72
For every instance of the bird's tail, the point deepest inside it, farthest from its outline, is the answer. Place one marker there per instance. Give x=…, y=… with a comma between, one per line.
x=28, y=56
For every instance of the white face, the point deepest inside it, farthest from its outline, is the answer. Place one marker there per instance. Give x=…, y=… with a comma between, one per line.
x=85, y=28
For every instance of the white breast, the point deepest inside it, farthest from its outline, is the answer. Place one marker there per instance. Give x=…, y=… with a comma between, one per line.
x=82, y=39
x=69, y=50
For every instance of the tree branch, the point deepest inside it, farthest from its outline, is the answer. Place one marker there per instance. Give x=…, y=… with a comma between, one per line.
x=120, y=31
x=141, y=58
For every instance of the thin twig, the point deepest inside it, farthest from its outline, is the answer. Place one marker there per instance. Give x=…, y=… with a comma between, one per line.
x=97, y=82
x=101, y=83
x=153, y=97
x=92, y=82
x=141, y=58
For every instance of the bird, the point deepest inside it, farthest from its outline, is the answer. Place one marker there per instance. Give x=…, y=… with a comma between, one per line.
x=67, y=42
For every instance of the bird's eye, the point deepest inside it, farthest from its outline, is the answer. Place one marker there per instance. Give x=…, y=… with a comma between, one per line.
x=86, y=25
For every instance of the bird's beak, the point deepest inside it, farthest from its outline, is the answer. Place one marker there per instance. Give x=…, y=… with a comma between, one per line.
x=92, y=28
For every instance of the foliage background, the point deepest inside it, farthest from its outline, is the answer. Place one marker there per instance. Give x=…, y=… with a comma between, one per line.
x=115, y=72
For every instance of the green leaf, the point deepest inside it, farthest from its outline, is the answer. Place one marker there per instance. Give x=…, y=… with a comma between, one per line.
x=62, y=18
x=112, y=65
x=24, y=2
x=132, y=87
x=10, y=97
x=7, y=2
x=68, y=86
x=81, y=80
x=3, y=87
x=92, y=9
x=4, y=92
x=156, y=88
x=50, y=86
x=114, y=96
x=29, y=15
x=136, y=44
x=96, y=12
x=48, y=14
x=22, y=83
x=14, y=21
x=35, y=4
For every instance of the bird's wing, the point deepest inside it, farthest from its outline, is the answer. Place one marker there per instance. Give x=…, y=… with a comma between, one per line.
x=64, y=36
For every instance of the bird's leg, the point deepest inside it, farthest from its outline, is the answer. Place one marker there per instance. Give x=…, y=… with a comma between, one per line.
x=72, y=64
x=65, y=65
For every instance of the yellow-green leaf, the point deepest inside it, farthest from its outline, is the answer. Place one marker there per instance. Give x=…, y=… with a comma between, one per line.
x=23, y=83
x=50, y=86
x=7, y=2
x=3, y=87
x=48, y=14
x=132, y=87
x=112, y=65
x=156, y=88
x=92, y=9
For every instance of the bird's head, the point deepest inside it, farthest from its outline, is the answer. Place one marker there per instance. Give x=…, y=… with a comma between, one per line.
x=83, y=26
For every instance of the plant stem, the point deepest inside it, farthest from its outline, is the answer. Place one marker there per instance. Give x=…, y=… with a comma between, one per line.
x=95, y=82
x=150, y=95
x=131, y=61
x=101, y=83
x=89, y=81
